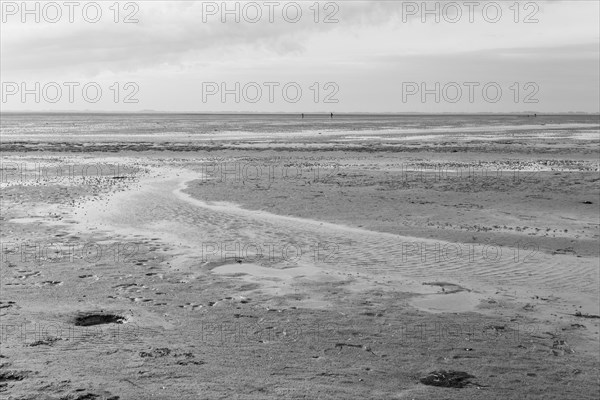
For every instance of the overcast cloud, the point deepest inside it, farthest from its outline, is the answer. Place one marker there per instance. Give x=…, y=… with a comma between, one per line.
x=370, y=53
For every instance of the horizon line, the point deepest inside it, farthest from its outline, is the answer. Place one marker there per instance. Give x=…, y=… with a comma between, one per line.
x=324, y=113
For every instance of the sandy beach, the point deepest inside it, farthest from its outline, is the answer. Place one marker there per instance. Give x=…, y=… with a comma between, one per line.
x=324, y=264
x=318, y=200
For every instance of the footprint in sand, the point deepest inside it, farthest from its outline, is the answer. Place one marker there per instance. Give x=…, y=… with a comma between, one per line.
x=7, y=304
x=139, y=300
x=89, y=276
x=130, y=287
x=191, y=306
x=49, y=283
x=29, y=274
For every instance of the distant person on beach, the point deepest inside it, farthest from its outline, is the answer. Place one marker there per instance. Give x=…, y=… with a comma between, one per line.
x=302, y=115
x=331, y=116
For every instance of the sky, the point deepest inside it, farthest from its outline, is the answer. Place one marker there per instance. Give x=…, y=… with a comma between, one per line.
x=303, y=56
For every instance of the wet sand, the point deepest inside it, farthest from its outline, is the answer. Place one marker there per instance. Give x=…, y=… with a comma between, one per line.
x=269, y=272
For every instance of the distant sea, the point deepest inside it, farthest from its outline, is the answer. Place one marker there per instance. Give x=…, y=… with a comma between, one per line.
x=28, y=126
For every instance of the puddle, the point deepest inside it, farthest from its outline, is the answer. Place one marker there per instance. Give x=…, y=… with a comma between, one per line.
x=282, y=282
x=272, y=274
x=452, y=302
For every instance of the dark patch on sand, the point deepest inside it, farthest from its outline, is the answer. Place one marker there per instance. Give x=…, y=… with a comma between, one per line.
x=453, y=379
x=98, y=319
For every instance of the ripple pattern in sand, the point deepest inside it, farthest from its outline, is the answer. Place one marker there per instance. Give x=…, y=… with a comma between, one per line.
x=214, y=232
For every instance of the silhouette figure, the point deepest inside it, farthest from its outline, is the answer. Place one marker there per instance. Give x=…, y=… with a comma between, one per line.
x=302, y=115
x=331, y=116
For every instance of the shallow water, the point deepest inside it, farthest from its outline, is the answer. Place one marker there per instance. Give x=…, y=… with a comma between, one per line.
x=81, y=127
x=452, y=302
x=290, y=249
